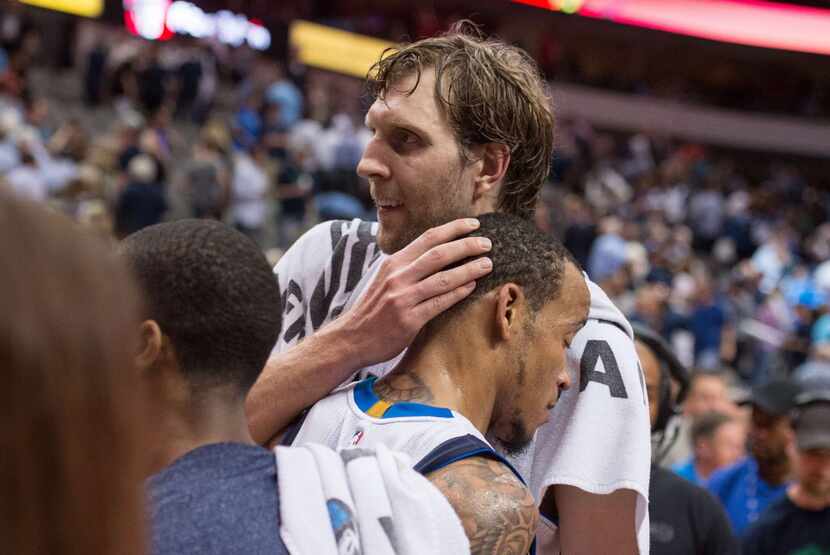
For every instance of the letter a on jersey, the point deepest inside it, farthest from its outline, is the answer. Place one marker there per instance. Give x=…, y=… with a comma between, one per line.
x=597, y=350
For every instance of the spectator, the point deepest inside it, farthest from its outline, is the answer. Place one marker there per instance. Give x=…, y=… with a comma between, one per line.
x=213, y=314
x=71, y=436
x=748, y=487
x=206, y=176
x=142, y=202
x=717, y=441
x=26, y=180
x=685, y=519
x=251, y=185
x=712, y=327
x=708, y=392
x=798, y=522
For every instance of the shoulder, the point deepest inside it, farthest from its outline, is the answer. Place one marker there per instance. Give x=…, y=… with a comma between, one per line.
x=604, y=310
x=760, y=533
x=324, y=237
x=724, y=478
x=497, y=511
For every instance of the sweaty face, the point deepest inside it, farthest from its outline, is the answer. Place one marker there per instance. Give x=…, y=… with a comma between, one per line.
x=417, y=175
x=812, y=468
x=541, y=362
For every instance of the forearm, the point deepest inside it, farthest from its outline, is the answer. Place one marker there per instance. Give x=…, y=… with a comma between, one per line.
x=297, y=378
x=582, y=513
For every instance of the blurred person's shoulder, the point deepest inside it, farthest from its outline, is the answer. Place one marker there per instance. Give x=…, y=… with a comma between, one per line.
x=725, y=478
x=217, y=498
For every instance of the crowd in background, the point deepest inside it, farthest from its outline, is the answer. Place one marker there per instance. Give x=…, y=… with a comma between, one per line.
x=729, y=259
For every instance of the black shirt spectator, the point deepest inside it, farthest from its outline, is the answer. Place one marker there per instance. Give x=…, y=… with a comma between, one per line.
x=686, y=519
x=786, y=529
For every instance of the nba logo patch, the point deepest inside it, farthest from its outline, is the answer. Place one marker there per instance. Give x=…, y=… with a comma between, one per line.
x=358, y=435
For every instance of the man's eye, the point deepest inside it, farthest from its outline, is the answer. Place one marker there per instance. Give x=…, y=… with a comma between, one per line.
x=406, y=138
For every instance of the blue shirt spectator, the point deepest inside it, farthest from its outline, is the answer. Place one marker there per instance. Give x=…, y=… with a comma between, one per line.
x=229, y=489
x=744, y=493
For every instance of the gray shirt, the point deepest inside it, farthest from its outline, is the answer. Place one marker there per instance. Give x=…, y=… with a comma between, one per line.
x=219, y=498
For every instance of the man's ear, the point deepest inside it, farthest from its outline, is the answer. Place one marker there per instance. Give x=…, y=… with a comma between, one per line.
x=495, y=159
x=151, y=344
x=509, y=303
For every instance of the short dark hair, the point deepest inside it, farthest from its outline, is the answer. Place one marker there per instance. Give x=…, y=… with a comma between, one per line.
x=707, y=425
x=212, y=292
x=521, y=254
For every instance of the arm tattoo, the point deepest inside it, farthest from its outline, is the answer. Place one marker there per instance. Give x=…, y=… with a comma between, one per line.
x=498, y=513
x=403, y=387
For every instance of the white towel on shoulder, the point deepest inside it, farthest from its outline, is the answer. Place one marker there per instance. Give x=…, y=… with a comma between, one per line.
x=362, y=502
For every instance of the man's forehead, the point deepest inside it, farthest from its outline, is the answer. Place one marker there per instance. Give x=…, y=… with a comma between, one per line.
x=409, y=101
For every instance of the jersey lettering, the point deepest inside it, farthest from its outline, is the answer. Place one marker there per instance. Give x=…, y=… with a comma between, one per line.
x=596, y=350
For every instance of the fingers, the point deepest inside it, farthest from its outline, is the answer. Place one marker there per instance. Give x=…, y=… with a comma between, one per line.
x=439, y=257
x=434, y=306
x=437, y=236
x=449, y=280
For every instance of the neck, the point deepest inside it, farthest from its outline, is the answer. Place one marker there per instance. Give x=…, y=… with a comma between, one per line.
x=445, y=371
x=192, y=423
x=774, y=472
x=804, y=499
x=703, y=468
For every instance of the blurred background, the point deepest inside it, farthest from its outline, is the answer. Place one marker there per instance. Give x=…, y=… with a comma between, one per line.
x=691, y=176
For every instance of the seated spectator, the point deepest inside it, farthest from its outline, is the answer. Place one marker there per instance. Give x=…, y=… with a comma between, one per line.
x=685, y=519
x=748, y=487
x=493, y=365
x=717, y=441
x=799, y=522
x=71, y=435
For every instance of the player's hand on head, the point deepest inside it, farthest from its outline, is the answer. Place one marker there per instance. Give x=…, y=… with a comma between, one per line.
x=412, y=287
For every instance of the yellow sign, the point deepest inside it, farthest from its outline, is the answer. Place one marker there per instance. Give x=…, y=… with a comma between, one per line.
x=86, y=8
x=335, y=50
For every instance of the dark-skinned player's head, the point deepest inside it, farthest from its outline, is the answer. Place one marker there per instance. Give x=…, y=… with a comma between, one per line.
x=525, y=313
x=212, y=303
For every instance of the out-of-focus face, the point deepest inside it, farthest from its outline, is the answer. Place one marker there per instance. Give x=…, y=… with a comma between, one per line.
x=651, y=371
x=727, y=444
x=417, y=175
x=707, y=394
x=812, y=470
x=769, y=436
x=541, y=364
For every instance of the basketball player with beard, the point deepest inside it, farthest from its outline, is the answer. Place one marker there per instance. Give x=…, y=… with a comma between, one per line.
x=493, y=365
x=461, y=126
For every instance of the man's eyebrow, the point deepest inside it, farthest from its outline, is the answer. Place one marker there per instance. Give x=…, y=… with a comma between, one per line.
x=395, y=121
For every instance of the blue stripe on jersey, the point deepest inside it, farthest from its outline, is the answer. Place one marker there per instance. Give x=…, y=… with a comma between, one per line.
x=366, y=398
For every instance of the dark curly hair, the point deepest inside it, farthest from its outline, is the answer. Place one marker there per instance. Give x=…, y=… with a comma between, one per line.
x=522, y=255
x=491, y=92
x=212, y=292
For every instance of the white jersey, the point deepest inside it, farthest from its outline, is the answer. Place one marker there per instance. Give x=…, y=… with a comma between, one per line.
x=598, y=438
x=354, y=416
